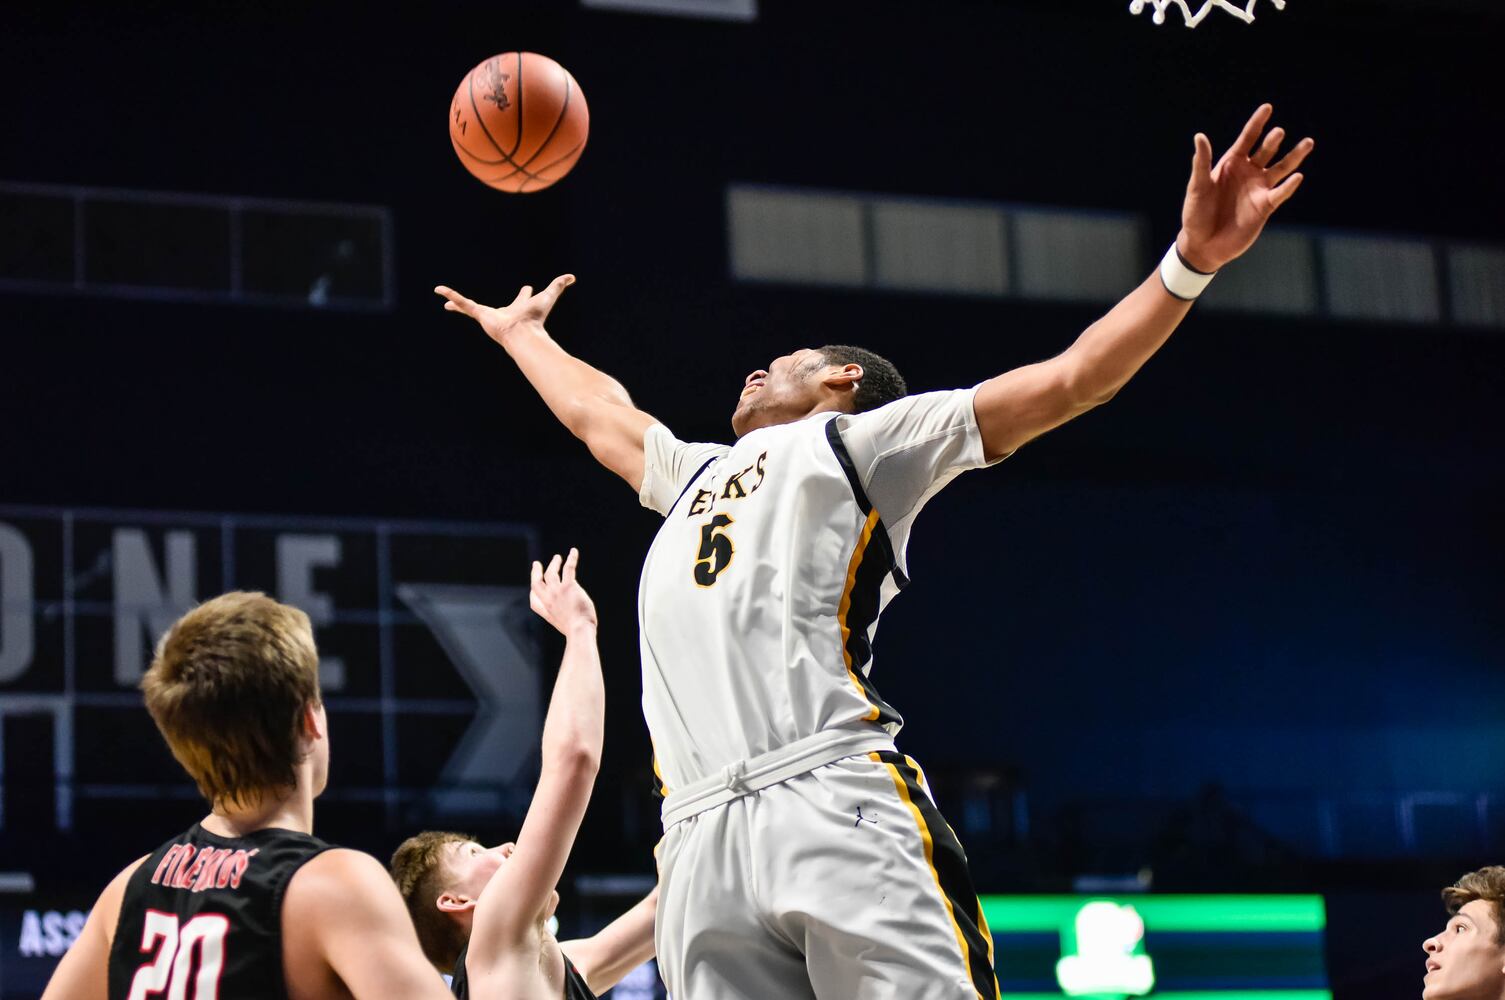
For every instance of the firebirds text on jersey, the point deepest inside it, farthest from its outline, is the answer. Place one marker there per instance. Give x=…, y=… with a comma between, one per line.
x=185, y=866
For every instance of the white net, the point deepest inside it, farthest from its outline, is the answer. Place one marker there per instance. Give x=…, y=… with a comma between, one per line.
x=1244, y=13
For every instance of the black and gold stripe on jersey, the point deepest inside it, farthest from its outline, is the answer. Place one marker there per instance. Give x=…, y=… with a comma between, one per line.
x=660, y=787
x=948, y=863
x=873, y=561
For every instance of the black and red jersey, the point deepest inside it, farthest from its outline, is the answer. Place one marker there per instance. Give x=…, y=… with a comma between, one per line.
x=202, y=917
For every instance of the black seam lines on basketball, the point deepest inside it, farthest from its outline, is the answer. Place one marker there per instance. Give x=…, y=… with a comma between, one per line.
x=470, y=89
x=495, y=163
x=538, y=173
x=557, y=122
x=551, y=165
x=950, y=864
x=520, y=118
x=505, y=157
x=520, y=123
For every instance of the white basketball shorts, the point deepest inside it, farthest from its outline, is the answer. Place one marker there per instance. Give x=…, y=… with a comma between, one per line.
x=840, y=883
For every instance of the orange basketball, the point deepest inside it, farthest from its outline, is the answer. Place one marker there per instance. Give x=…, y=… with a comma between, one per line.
x=518, y=122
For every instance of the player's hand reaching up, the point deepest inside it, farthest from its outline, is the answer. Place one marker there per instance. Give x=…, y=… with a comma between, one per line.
x=558, y=599
x=1228, y=203
x=528, y=309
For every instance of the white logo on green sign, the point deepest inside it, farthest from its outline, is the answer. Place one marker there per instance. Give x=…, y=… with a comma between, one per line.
x=1104, y=954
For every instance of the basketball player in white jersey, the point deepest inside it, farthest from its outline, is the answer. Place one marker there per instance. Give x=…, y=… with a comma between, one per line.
x=802, y=855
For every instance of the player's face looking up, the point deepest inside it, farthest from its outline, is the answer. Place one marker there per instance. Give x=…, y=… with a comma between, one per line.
x=473, y=865
x=791, y=388
x=1467, y=960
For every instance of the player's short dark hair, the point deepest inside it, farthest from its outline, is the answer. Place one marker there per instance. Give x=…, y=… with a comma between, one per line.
x=881, y=382
x=1487, y=884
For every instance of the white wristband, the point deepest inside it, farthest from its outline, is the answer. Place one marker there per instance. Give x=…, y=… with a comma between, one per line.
x=1180, y=278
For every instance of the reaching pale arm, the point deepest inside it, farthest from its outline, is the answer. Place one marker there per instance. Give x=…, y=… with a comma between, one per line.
x=1226, y=209
x=591, y=404
x=512, y=901
x=619, y=947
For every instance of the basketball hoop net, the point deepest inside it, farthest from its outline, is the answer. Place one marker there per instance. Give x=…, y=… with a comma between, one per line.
x=1245, y=14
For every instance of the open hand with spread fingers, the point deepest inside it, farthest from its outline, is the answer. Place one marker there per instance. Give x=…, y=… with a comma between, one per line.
x=528, y=309
x=1228, y=203
x=558, y=599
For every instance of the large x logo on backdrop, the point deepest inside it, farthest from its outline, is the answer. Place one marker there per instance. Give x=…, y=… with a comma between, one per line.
x=481, y=629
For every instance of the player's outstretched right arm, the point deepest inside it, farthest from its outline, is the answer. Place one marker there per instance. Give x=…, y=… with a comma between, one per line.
x=513, y=904
x=591, y=404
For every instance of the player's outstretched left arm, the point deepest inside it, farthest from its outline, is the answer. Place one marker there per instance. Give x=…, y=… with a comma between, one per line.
x=618, y=948
x=511, y=906
x=1226, y=208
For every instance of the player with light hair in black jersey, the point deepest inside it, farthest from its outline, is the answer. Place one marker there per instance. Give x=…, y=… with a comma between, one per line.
x=246, y=904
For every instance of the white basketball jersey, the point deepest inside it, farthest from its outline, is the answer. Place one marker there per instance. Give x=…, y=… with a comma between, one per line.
x=761, y=594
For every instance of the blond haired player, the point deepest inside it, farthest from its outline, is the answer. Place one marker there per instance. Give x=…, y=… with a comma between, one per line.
x=1467, y=960
x=246, y=903
x=481, y=912
x=802, y=855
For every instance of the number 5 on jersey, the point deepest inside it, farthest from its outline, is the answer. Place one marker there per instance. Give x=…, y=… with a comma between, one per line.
x=716, y=550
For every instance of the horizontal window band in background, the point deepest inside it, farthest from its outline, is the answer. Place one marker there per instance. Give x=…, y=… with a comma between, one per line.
x=842, y=239
x=195, y=248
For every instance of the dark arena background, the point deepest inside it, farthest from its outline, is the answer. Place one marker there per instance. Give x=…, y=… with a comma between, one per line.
x=1230, y=650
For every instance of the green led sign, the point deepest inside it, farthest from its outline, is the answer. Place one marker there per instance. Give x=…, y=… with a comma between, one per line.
x=1164, y=913
x=1102, y=954
x=1193, y=947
